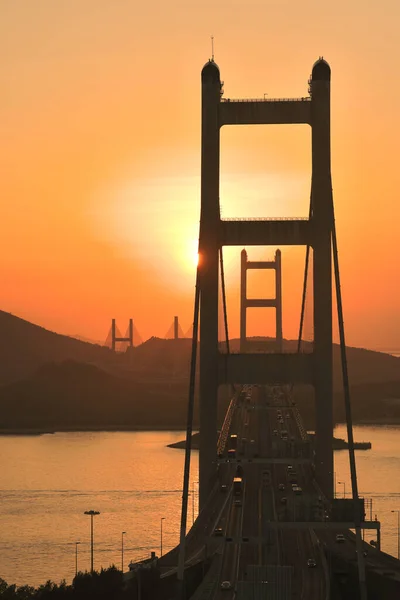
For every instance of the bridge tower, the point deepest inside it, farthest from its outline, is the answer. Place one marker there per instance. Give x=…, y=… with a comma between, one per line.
x=246, y=303
x=176, y=328
x=217, y=368
x=115, y=339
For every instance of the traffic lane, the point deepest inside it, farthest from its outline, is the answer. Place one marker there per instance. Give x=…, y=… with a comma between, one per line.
x=230, y=553
x=347, y=550
x=248, y=551
x=271, y=553
x=251, y=506
x=313, y=578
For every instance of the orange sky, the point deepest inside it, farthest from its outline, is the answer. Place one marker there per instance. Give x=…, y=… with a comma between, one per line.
x=100, y=155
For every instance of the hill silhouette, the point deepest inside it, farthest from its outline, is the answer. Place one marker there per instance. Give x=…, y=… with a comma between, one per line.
x=52, y=381
x=72, y=395
x=24, y=347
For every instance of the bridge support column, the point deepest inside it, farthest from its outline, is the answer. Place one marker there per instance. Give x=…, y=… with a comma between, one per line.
x=243, y=297
x=131, y=333
x=113, y=335
x=278, y=297
x=209, y=272
x=176, y=328
x=321, y=201
x=275, y=303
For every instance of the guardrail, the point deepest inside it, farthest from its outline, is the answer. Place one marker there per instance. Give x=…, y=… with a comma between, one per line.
x=300, y=425
x=266, y=219
x=271, y=100
x=223, y=436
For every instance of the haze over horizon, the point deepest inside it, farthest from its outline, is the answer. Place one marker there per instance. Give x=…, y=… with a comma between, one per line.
x=101, y=160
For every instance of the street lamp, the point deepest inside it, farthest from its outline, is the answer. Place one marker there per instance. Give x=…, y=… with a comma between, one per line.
x=76, y=558
x=265, y=94
x=398, y=532
x=122, y=551
x=343, y=483
x=161, y=524
x=92, y=514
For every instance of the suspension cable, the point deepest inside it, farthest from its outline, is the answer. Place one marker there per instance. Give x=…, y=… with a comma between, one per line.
x=349, y=419
x=189, y=431
x=304, y=295
x=221, y=261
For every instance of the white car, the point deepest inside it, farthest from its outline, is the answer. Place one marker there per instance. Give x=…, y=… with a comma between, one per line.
x=226, y=585
x=311, y=563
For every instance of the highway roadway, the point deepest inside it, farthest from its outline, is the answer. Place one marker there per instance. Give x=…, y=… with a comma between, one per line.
x=266, y=428
x=251, y=535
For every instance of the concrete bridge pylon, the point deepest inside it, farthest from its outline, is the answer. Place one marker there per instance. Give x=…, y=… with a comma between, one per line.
x=217, y=368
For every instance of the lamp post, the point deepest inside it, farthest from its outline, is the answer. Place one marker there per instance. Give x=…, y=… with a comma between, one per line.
x=161, y=525
x=265, y=94
x=343, y=483
x=76, y=558
x=92, y=514
x=398, y=532
x=122, y=551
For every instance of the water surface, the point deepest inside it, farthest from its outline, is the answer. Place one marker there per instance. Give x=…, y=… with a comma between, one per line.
x=47, y=482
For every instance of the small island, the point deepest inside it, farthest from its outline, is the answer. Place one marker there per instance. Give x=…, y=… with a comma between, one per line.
x=338, y=443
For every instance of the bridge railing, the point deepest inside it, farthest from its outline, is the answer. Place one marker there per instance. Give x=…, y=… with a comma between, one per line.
x=266, y=219
x=300, y=425
x=223, y=435
x=303, y=99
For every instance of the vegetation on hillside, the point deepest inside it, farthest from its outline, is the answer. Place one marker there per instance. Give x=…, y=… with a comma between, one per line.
x=107, y=584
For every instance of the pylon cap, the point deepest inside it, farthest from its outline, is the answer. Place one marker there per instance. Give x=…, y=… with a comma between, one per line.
x=210, y=72
x=321, y=70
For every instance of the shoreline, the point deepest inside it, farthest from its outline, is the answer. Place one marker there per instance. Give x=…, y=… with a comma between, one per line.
x=117, y=429
x=34, y=431
x=338, y=443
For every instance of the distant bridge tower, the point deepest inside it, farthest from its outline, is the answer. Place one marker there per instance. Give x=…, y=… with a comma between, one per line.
x=175, y=331
x=246, y=303
x=217, y=368
x=115, y=339
x=176, y=328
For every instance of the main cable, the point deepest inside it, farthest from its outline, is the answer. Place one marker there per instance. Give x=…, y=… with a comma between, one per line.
x=349, y=418
x=189, y=431
x=224, y=307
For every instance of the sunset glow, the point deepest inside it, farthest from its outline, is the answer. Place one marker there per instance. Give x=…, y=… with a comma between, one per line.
x=101, y=164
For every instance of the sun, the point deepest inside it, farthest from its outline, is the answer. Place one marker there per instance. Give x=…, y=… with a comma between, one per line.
x=193, y=253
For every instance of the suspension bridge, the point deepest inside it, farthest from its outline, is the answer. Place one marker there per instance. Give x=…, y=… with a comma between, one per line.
x=269, y=524
x=132, y=338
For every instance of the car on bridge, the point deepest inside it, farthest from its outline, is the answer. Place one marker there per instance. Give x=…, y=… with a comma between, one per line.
x=237, y=486
x=311, y=563
x=340, y=538
x=281, y=487
x=239, y=471
x=226, y=586
x=218, y=531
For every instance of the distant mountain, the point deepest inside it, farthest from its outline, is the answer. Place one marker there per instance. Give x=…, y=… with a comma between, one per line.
x=52, y=380
x=72, y=395
x=85, y=339
x=24, y=347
